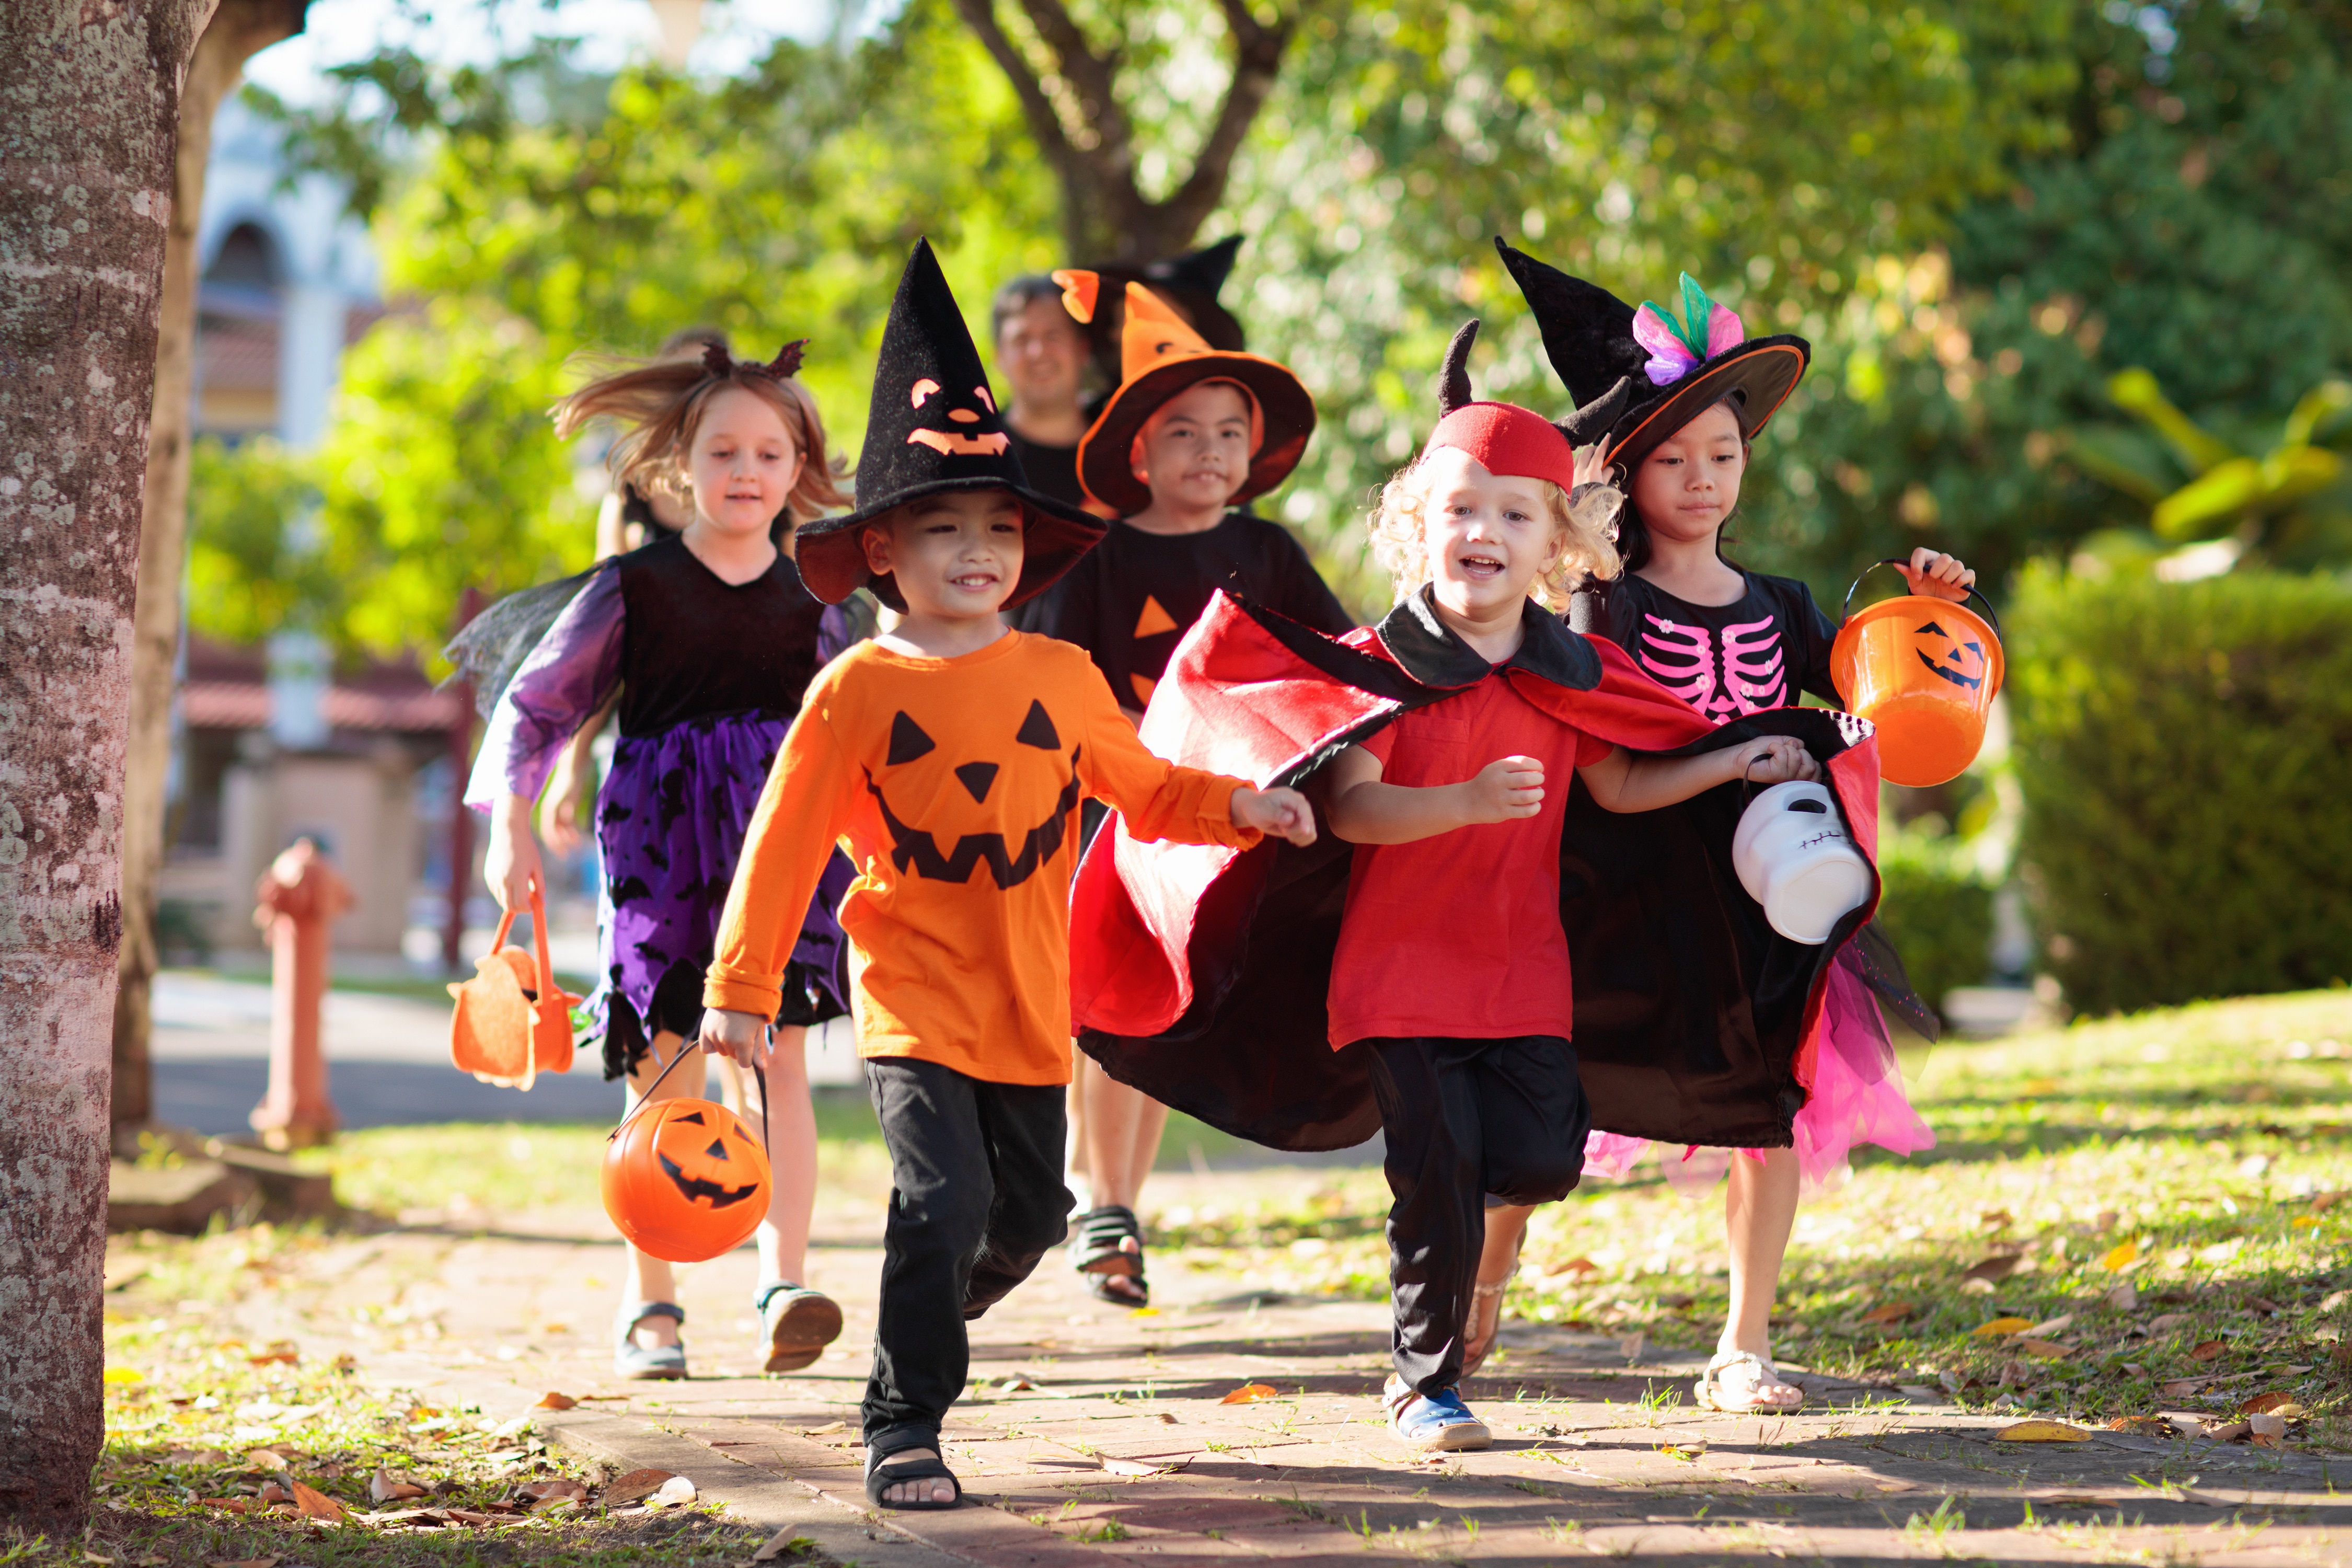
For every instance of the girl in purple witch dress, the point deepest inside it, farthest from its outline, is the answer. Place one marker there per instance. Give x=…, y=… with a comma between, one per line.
x=709, y=638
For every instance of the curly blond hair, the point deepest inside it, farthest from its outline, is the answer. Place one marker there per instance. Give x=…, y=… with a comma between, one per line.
x=1398, y=526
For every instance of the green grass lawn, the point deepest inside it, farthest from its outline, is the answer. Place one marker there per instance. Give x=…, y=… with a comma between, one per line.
x=2168, y=1184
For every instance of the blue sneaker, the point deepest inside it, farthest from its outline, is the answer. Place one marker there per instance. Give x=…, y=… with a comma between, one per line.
x=1432, y=1422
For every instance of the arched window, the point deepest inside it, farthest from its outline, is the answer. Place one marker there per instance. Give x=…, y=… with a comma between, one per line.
x=237, y=307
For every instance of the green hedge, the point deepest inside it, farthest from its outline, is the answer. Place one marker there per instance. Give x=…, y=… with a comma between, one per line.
x=2186, y=755
x=1938, y=913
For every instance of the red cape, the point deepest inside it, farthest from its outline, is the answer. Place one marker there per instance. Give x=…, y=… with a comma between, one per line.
x=1198, y=974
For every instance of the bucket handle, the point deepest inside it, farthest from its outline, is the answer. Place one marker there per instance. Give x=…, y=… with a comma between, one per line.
x=1846, y=611
x=695, y=1047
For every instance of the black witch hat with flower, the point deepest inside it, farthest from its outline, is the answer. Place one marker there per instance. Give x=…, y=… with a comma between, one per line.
x=1639, y=375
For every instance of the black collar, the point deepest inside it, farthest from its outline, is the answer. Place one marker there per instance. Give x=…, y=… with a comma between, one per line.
x=1432, y=655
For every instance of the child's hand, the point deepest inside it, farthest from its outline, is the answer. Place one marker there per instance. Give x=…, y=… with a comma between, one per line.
x=1776, y=761
x=1276, y=813
x=737, y=1034
x=1937, y=575
x=511, y=861
x=1512, y=787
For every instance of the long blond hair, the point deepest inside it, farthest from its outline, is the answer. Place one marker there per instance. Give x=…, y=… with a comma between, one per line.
x=1399, y=529
x=660, y=403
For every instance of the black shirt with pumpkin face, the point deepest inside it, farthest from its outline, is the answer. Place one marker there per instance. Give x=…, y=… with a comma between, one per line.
x=1130, y=599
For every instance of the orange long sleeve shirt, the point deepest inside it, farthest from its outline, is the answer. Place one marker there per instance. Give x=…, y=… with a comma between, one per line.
x=954, y=784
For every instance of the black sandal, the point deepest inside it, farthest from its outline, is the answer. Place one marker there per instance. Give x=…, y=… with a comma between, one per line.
x=1113, y=1273
x=881, y=1475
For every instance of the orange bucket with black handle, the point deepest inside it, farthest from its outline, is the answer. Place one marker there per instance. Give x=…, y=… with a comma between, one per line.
x=1925, y=671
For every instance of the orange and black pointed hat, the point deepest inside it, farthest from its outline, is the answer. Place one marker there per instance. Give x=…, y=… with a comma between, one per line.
x=1160, y=356
x=933, y=427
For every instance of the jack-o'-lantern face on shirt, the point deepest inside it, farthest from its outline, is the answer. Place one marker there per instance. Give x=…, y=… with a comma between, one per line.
x=1007, y=800
x=1958, y=660
x=711, y=1158
x=952, y=436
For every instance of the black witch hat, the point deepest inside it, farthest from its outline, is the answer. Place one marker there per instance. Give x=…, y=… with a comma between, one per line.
x=932, y=428
x=1191, y=282
x=1638, y=376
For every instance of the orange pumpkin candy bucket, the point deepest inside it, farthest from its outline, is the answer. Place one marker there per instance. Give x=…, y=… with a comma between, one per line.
x=1925, y=671
x=512, y=1021
x=684, y=1179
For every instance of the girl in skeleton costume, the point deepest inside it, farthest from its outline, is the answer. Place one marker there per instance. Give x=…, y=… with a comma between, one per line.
x=705, y=638
x=1666, y=410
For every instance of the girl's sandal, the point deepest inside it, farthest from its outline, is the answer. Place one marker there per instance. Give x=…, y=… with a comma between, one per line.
x=1485, y=1320
x=883, y=1471
x=799, y=1323
x=1765, y=1390
x=1108, y=1250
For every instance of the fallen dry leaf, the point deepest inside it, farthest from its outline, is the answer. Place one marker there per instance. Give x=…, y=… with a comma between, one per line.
x=2231, y=1431
x=1890, y=1313
x=2047, y=1326
x=551, y=1400
x=271, y=1491
x=2267, y=1424
x=1632, y=1346
x=1134, y=1468
x=229, y=1504
x=384, y=1486
x=828, y=1426
x=312, y=1503
x=675, y=1492
x=2165, y=1321
x=1251, y=1393
x=2041, y=1431
x=2118, y=1259
x=2206, y=1350
x=636, y=1484
x=785, y=1542
x=2001, y=1326
x=1579, y=1266
x=2032, y=1346
x=2181, y=1388
x=1999, y=1266
x=267, y=1460
x=2123, y=1297
x=2277, y=1402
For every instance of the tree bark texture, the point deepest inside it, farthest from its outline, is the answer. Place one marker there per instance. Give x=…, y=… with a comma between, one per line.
x=1073, y=110
x=237, y=30
x=89, y=113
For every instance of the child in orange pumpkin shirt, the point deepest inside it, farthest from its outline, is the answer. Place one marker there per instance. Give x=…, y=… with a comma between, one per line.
x=951, y=754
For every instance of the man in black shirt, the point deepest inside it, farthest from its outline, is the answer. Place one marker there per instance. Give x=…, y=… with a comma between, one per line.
x=1042, y=354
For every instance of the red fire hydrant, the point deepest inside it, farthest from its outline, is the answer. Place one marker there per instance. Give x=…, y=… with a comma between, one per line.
x=300, y=897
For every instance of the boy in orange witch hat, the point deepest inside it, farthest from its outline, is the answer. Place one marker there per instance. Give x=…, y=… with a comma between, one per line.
x=1190, y=433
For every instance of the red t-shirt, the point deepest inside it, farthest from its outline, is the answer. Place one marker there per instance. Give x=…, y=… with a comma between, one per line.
x=1458, y=936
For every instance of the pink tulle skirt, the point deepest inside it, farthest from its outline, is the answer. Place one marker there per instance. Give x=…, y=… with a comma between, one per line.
x=1855, y=1096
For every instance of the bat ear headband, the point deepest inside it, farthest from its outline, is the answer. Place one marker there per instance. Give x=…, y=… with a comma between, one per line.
x=787, y=363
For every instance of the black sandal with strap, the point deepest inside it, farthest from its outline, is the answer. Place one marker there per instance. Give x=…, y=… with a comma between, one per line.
x=881, y=1475
x=1099, y=1251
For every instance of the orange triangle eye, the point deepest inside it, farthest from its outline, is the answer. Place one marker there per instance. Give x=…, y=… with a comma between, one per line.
x=1154, y=620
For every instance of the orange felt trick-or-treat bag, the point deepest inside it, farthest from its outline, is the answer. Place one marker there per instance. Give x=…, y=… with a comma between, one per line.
x=512, y=1022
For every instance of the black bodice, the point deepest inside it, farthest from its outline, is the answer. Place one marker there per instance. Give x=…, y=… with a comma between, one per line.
x=694, y=646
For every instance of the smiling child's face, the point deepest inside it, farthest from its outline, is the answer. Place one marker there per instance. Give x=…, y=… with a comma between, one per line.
x=1688, y=485
x=956, y=556
x=742, y=463
x=1488, y=536
x=1195, y=450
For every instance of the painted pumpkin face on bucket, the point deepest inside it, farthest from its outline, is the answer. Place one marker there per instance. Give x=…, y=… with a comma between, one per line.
x=1011, y=809
x=1961, y=661
x=685, y=1180
x=952, y=438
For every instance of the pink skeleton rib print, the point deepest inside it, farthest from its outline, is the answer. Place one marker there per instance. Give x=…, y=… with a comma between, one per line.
x=1743, y=673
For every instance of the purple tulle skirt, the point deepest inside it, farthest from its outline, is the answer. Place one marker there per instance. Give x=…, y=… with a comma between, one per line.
x=670, y=821
x=1856, y=1097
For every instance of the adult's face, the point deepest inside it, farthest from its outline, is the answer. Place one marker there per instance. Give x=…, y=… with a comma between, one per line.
x=1042, y=354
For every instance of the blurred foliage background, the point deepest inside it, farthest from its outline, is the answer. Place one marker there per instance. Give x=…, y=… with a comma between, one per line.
x=2078, y=277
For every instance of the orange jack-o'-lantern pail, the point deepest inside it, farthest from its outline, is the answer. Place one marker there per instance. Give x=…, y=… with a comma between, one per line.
x=685, y=1180
x=1925, y=671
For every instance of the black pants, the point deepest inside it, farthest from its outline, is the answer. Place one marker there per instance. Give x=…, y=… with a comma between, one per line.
x=976, y=1199
x=1464, y=1119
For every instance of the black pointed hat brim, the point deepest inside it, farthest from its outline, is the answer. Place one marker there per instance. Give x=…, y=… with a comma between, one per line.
x=1763, y=371
x=1286, y=409
x=831, y=551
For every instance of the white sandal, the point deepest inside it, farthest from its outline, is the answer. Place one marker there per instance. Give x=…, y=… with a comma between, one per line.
x=1709, y=1391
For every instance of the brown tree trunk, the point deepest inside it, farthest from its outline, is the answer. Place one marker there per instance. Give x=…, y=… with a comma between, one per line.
x=92, y=91
x=238, y=29
x=1085, y=133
